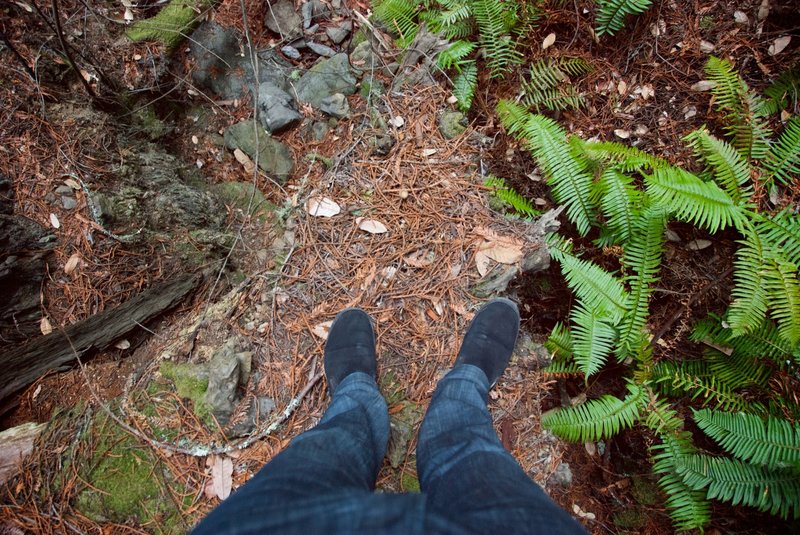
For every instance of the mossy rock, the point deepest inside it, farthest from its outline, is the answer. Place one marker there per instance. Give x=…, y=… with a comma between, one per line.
x=243, y=196
x=191, y=382
x=126, y=482
x=645, y=490
x=171, y=24
x=630, y=519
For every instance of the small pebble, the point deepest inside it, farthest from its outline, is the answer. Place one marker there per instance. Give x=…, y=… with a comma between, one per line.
x=68, y=202
x=291, y=52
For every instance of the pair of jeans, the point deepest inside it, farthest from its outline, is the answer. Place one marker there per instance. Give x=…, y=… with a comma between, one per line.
x=323, y=482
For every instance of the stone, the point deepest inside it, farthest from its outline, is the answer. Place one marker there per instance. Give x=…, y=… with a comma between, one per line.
x=380, y=144
x=68, y=202
x=15, y=444
x=327, y=77
x=276, y=108
x=290, y=52
x=363, y=59
x=215, y=51
x=319, y=130
x=337, y=34
x=274, y=158
x=371, y=87
x=245, y=198
x=321, y=50
x=228, y=369
x=335, y=105
x=282, y=19
x=64, y=190
x=452, y=124
x=307, y=11
x=561, y=477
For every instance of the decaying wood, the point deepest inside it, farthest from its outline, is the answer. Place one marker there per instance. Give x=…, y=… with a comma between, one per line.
x=15, y=444
x=25, y=364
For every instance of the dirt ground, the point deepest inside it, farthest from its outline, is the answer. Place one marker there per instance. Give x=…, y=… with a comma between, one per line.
x=433, y=205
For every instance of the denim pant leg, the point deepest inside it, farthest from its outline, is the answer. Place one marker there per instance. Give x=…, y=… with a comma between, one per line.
x=337, y=460
x=468, y=476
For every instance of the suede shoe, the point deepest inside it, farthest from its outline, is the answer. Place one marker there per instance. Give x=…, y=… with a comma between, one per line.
x=491, y=338
x=350, y=347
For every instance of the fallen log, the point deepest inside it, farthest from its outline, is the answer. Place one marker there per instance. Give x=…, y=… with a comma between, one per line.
x=25, y=364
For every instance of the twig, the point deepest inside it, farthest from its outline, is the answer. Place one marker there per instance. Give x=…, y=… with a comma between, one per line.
x=67, y=54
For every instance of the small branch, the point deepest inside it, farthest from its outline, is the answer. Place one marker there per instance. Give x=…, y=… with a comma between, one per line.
x=67, y=54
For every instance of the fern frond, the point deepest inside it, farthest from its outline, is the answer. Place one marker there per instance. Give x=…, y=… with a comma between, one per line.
x=619, y=202
x=595, y=287
x=729, y=168
x=782, y=232
x=399, y=16
x=556, y=99
x=690, y=199
x=661, y=417
x=598, y=418
x=763, y=341
x=738, y=369
x=689, y=508
x=749, y=306
x=575, y=66
x=625, y=158
x=562, y=369
x=464, y=84
x=545, y=74
x=493, y=28
x=664, y=371
x=454, y=54
x=593, y=337
x=642, y=257
x=611, y=14
x=708, y=389
x=510, y=197
x=559, y=343
x=784, y=92
x=773, y=442
x=565, y=171
x=783, y=293
x=730, y=480
x=783, y=159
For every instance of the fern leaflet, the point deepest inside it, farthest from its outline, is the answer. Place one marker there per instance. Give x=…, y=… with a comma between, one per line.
x=730, y=169
x=611, y=14
x=783, y=159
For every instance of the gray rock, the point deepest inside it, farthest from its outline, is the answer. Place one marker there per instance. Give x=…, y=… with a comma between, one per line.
x=215, y=51
x=276, y=108
x=326, y=78
x=68, y=202
x=363, y=58
x=311, y=30
x=335, y=105
x=371, y=87
x=380, y=144
x=319, y=130
x=307, y=10
x=282, y=19
x=452, y=124
x=561, y=477
x=228, y=369
x=339, y=33
x=274, y=158
x=322, y=50
x=320, y=10
x=64, y=190
x=290, y=52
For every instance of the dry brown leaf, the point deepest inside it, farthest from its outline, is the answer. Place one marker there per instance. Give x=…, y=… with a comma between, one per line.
x=221, y=476
x=322, y=207
x=45, y=326
x=779, y=44
x=503, y=252
x=54, y=221
x=482, y=262
x=420, y=258
x=73, y=263
x=371, y=225
x=322, y=329
x=244, y=159
x=123, y=344
x=548, y=41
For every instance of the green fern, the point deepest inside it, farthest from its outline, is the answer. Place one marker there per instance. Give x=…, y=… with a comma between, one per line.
x=783, y=160
x=455, y=54
x=550, y=87
x=729, y=169
x=611, y=14
x=784, y=92
x=510, y=197
x=624, y=158
x=620, y=203
x=501, y=51
x=593, y=337
x=730, y=480
x=465, y=83
x=781, y=231
x=595, y=287
x=749, y=306
x=690, y=199
x=774, y=443
x=399, y=16
x=783, y=289
x=764, y=341
x=738, y=369
x=598, y=418
x=565, y=171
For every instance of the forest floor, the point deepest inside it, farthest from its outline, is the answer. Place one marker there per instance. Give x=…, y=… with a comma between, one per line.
x=284, y=278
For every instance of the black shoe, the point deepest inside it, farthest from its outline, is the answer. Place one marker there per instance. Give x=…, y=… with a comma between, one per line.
x=491, y=338
x=350, y=347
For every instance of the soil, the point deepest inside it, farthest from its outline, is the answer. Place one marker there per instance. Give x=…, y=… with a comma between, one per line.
x=612, y=481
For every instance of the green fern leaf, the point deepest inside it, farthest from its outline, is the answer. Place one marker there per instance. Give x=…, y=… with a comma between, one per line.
x=730, y=480
x=562, y=369
x=593, y=337
x=705, y=387
x=400, y=17
x=783, y=159
x=493, y=27
x=691, y=199
x=642, y=257
x=464, y=84
x=773, y=442
x=784, y=92
x=738, y=369
x=619, y=202
x=454, y=54
x=782, y=232
x=611, y=14
x=559, y=343
x=749, y=306
x=783, y=291
x=624, y=158
x=565, y=171
x=598, y=418
x=730, y=169
x=595, y=287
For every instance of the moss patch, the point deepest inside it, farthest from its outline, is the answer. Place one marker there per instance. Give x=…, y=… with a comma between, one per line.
x=171, y=24
x=191, y=382
x=243, y=196
x=126, y=482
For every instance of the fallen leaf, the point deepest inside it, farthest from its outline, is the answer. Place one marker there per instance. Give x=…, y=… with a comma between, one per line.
x=503, y=253
x=647, y=91
x=548, y=41
x=36, y=392
x=322, y=207
x=128, y=16
x=244, y=159
x=371, y=225
x=706, y=47
x=429, y=152
x=452, y=99
x=703, y=85
x=672, y=236
x=72, y=183
x=123, y=344
x=73, y=262
x=45, y=326
x=482, y=262
x=689, y=112
x=622, y=87
x=740, y=17
x=698, y=245
x=54, y=221
x=221, y=476
x=322, y=329
x=397, y=121
x=763, y=10
x=622, y=133
x=779, y=44
x=420, y=258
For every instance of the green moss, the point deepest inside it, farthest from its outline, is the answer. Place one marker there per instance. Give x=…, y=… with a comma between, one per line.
x=630, y=519
x=148, y=122
x=191, y=382
x=171, y=24
x=706, y=22
x=125, y=482
x=408, y=480
x=645, y=491
x=245, y=196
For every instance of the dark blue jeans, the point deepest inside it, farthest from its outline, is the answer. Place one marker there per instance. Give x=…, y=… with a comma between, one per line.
x=323, y=481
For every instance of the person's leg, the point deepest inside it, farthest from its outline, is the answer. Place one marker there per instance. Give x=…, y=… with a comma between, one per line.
x=466, y=473
x=335, y=461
